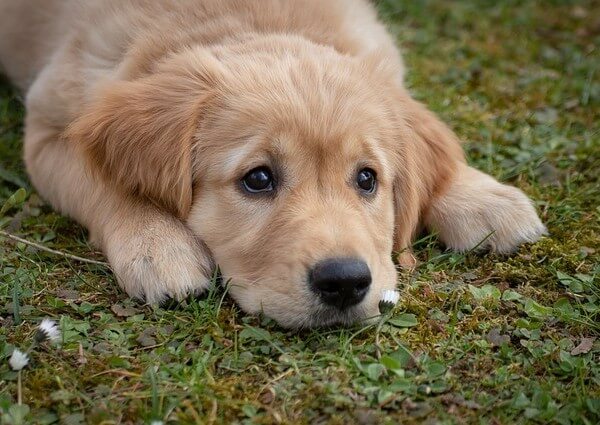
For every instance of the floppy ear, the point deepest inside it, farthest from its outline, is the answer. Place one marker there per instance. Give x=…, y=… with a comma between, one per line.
x=138, y=135
x=428, y=156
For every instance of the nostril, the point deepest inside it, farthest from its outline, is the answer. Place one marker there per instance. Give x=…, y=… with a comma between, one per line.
x=341, y=282
x=328, y=286
x=363, y=284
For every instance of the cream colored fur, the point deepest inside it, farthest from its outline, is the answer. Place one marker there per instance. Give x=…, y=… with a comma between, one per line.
x=143, y=115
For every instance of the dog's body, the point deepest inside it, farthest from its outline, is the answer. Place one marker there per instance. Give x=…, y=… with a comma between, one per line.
x=146, y=119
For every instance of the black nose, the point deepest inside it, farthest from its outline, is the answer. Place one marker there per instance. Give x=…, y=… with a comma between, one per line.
x=341, y=282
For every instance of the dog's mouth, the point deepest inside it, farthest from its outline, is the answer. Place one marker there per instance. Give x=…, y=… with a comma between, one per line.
x=325, y=316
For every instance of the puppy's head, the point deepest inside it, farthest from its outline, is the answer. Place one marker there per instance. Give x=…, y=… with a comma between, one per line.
x=301, y=170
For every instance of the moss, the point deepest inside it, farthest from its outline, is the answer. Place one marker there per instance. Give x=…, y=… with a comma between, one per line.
x=518, y=81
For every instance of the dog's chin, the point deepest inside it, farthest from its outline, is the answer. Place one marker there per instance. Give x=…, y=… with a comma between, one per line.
x=332, y=317
x=323, y=316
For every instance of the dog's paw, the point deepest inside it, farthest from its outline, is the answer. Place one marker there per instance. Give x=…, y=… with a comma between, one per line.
x=479, y=212
x=158, y=260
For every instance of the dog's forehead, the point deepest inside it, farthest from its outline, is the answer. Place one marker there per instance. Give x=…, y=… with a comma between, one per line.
x=317, y=149
x=320, y=104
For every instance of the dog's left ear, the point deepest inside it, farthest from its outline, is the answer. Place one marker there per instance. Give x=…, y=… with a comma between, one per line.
x=428, y=155
x=138, y=135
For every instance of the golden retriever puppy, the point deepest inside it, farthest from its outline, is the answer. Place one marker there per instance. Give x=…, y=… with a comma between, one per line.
x=272, y=138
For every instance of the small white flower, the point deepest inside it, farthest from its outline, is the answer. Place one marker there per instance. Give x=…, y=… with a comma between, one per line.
x=389, y=298
x=18, y=360
x=48, y=330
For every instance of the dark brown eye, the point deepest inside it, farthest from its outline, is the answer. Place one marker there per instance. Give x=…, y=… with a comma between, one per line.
x=366, y=180
x=258, y=180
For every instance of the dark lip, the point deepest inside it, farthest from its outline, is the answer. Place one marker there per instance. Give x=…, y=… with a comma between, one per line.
x=330, y=317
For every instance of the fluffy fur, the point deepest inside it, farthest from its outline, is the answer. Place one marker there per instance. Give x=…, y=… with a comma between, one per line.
x=143, y=116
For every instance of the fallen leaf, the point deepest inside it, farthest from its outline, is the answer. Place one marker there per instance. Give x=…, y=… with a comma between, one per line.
x=121, y=311
x=496, y=339
x=102, y=348
x=365, y=417
x=458, y=400
x=546, y=115
x=146, y=338
x=579, y=12
x=68, y=294
x=267, y=396
x=548, y=175
x=408, y=404
x=584, y=346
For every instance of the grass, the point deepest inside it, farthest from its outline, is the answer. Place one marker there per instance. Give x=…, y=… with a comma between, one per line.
x=474, y=339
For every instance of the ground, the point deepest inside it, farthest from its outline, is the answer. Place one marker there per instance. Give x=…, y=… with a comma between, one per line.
x=474, y=338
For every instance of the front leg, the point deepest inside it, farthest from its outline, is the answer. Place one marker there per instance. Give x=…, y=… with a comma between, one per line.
x=153, y=254
x=476, y=211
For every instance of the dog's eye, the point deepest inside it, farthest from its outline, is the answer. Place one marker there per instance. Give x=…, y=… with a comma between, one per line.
x=367, y=180
x=258, y=180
